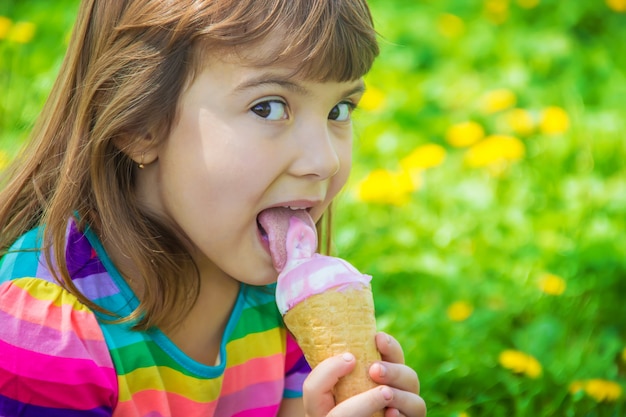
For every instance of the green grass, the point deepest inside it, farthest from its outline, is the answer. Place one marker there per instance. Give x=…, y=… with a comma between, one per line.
x=482, y=236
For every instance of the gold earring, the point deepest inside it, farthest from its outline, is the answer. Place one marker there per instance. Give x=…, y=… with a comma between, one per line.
x=141, y=165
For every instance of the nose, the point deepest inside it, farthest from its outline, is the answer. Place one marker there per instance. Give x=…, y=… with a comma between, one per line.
x=318, y=153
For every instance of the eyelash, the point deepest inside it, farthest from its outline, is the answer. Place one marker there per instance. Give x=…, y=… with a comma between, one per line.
x=271, y=102
x=269, y=105
x=351, y=107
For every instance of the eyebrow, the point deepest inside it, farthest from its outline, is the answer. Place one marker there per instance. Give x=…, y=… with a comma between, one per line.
x=271, y=79
x=360, y=88
x=286, y=83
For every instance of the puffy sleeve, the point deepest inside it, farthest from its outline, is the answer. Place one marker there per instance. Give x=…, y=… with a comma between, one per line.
x=54, y=360
x=296, y=369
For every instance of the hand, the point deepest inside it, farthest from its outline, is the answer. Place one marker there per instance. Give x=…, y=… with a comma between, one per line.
x=398, y=392
x=402, y=380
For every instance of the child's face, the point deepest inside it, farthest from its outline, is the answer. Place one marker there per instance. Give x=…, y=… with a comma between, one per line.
x=246, y=139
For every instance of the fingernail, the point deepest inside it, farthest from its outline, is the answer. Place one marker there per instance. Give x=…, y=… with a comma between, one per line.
x=387, y=393
x=382, y=370
x=348, y=357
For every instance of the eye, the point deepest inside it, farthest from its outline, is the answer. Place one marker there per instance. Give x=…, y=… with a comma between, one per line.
x=270, y=110
x=341, y=112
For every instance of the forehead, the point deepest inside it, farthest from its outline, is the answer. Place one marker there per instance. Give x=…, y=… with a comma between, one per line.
x=238, y=74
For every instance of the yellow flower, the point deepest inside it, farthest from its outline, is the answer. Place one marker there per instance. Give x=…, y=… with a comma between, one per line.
x=617, y=5
x=5, y=26
x=520, y=121
x=464, y=134
x=459, y=311
x=497, y=10
x=387, y=187
x=494, y=149
x=497, y=100
x=520, y=363
x=450, y=25
x=528, y=4
x=4, y=159
x=22, y=32
x=554, y=120
x=425, y=156
x=603, y=390
x=373, y=99
x=552, y=284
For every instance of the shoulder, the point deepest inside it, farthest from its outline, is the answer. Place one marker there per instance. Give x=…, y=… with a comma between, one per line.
x=53, y=355
x=22, y=258
x=91, y=273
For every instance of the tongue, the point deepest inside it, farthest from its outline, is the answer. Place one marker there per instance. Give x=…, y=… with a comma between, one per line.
x=276, y=223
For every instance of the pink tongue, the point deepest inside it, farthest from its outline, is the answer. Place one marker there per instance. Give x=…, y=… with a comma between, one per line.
x=276, y=222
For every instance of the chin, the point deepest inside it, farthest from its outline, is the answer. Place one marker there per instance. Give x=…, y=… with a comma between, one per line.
x=265, y=276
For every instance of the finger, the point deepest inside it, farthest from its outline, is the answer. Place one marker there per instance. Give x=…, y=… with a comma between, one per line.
x=389, y=348
x=407, y=404
x=395, y=375
x=317, y=390
x=392, y=412
x=364, y=404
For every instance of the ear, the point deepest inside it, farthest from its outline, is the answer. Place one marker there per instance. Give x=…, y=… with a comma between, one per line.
x=142, y=150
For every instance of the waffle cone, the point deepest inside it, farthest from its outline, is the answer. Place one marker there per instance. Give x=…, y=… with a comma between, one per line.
x=335, y=322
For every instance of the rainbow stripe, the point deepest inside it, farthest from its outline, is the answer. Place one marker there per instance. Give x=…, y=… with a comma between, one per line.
x=59, y=358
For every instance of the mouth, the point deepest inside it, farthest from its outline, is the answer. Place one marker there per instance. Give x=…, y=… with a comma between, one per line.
x=272, y=224
x=264, y=233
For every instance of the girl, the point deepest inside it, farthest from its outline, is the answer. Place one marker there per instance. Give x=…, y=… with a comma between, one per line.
x=135, y=280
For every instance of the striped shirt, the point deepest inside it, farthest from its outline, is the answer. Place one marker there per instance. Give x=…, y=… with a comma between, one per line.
x=60, y=358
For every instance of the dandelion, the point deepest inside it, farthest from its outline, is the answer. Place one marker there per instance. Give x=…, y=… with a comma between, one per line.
x=423, y=157
x=497, y=10
x=22, y=32
x=520, y=121
x=602, y=390
x=552, y=284
x=373, y=99
x=617, y=5
x=459, y=311
x=528, y=4
x=554, y=120
x=5, y=26
x=497, y=100
x=599, y=389
x=450, y=25
x=520, y=363
x=464, y=134
x=387, y=187
x=493, y=150
x=4, y=160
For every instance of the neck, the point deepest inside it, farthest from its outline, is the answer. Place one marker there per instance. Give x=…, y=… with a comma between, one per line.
x=200, y=333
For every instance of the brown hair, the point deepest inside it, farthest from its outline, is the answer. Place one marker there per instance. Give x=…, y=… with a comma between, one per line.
x=127, y=63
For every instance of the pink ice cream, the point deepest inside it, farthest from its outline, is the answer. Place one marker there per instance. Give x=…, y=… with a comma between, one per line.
x=302, y=272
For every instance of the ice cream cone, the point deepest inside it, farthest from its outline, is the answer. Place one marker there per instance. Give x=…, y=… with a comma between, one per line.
x=326, y=302
x=337, y=321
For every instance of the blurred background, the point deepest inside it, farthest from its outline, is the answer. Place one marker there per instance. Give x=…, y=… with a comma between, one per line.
x=488, y=195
